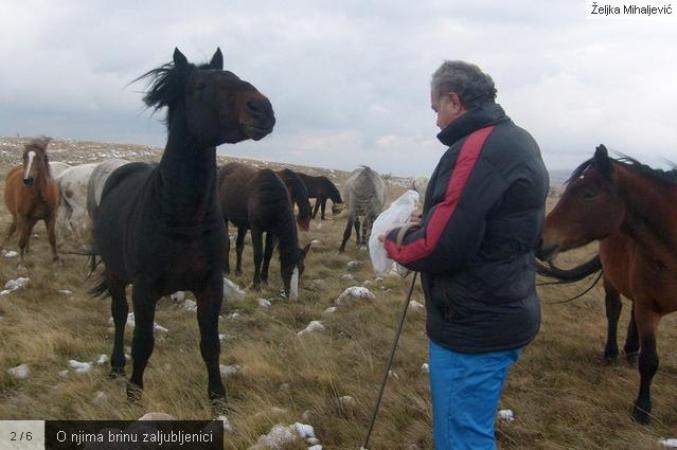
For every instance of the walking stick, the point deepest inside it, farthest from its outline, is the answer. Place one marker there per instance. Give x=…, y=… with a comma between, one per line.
x=390, y=363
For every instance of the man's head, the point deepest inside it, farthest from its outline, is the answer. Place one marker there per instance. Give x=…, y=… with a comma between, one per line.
x=456, y=87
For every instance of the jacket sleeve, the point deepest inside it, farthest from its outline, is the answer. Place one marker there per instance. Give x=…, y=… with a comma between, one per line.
x=452, y=231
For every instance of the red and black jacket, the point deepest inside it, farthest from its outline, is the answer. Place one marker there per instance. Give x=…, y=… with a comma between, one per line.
x=482, y=218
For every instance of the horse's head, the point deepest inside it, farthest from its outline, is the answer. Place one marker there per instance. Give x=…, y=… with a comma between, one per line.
x=291, y=274
x=336, y=208
x=590, y=208
x=217, y=106
x=35, y=161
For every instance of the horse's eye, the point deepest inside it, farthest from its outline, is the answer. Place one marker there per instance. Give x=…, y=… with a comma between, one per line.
x=589, y=194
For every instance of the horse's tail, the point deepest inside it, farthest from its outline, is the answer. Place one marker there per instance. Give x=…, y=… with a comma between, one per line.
x=578, y=273
x=101, y=287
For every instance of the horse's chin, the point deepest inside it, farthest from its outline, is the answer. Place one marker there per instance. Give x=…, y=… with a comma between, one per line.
x=254, y=132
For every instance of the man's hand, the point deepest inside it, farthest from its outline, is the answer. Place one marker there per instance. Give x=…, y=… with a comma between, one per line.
x=382, y=238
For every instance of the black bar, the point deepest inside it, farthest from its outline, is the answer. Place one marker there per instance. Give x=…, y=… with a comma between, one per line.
x=133, y=435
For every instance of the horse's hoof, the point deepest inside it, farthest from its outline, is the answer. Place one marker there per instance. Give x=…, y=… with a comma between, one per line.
x=134, y=392
x=610, y=357
x=641, y=415
x=220, y=406
x=116, y=372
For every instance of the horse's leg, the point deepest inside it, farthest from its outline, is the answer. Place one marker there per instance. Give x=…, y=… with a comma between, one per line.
x=357, y=232
x=208, y=308
x=614, y=306
x=257, y=243
x=316, y=207
x=346, y=233
x=25, y=228
x=143, y=342
x=267, y=256
x=239, y=248
x=647, y=323
x=50, y=223
x=366, y=229
x=323, y=204
x=226, y=263
x=631, y=347
x=119, y=310
x=10, y=232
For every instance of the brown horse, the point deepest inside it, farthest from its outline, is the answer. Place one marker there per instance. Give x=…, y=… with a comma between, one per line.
x=632, y=210
x=298, y=195
x=31, y=194
x=321, y=188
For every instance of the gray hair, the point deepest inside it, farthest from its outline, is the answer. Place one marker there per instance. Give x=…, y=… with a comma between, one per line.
x=473, y=86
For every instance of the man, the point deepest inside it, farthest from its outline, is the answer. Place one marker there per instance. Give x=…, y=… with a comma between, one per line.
x=482, y=218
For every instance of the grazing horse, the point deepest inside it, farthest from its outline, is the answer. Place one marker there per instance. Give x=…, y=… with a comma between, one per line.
x=632, y=210
x=298, y=195
x=73, y=205
x=364, y=194
x=159, y=227
x=321, y=189
x=31, y=194
x=258, y=199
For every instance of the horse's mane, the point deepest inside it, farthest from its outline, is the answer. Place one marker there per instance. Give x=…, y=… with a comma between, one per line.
x=39, y=143
x=663, y=176
x=166, y=85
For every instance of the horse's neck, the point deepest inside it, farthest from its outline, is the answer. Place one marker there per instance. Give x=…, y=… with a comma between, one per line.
x=288, y=240
x=650, y=214
x=187, y=174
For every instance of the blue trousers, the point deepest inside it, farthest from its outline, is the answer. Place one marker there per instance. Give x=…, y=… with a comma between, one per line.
x=465, y=392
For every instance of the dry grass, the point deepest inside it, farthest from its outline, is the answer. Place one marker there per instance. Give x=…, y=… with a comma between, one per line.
x=563, y=395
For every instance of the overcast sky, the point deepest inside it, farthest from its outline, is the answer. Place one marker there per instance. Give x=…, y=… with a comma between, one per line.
x=349, y=80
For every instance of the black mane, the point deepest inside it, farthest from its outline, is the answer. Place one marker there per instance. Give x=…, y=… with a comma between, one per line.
x=662, y=176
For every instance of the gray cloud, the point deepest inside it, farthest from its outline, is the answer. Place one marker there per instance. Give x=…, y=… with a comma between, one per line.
x=348, y=80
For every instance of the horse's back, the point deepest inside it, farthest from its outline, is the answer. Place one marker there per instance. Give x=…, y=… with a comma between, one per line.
x=268, y=202
x=233, y=188
x=364, y=192
x=97, y=181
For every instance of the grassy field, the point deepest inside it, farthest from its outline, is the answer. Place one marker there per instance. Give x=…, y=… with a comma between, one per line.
x=563, y=395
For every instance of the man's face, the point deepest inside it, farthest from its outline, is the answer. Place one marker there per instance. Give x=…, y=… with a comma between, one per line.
x=447, y=106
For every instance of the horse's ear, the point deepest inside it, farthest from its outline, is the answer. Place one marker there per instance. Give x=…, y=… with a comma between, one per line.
x=217, y=60
x=602, y=160
x=179, y=59
x=306, y=248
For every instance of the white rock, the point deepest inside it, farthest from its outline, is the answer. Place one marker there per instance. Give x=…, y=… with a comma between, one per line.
x=189, y=305
x=227, y=427
x=178, y=296
x=277, y=438
x=80, y=367
x=347, y=403
x=354, y=292
x=416, y=306
x=315, y=447
x=347, y=277
x=263, y=303
x=313, y=326
x=315, y=242
x=229, y=371
x=157, y=416
x=668, y=443
x=234, y=315
x=64, y=373
x=102, y=359
x=65, y=291
x=329, y=311
x=19, y=372
x=100, y=398
x=131, y=323
x=352, y=265
x=506, y=414
x=232, y=291
x=16, y=283
x=366, y=283
x=9, y=254
x=425, y=368
x=305, y=431
x=393, y=374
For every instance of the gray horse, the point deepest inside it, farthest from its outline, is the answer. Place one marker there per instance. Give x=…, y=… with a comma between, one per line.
x=96, y=182
x=364, y=196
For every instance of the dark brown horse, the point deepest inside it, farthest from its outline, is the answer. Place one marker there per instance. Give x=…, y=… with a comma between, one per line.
x=632, y=210
x=159, y=227
x=258, y=200
x=298, y=195
x=321, y=189
x=31, y=194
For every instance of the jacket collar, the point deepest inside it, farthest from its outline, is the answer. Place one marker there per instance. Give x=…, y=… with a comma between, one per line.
x=474, y=119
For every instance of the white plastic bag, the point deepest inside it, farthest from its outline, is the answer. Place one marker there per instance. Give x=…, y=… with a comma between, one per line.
x=398, y=214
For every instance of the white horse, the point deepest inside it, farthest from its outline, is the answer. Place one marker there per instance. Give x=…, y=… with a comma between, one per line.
x=96, y=182
x=72, y=212
x=364, y=196
x=56, y=168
